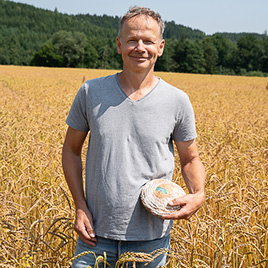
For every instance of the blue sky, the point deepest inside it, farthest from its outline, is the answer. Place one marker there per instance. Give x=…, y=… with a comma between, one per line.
x=209, y=16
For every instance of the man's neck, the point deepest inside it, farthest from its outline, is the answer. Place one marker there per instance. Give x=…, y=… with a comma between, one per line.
x=137, y=85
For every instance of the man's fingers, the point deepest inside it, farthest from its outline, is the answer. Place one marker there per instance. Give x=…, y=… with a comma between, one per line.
x=92, y=242
x=89, y=234
x=189, y=205
x=84, y=227
x=90, y=231
x=177, y=202
x=86, y=237
x=180, y=214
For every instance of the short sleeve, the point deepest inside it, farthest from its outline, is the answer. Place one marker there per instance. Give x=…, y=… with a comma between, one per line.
x=185, y=129
x=77, y=117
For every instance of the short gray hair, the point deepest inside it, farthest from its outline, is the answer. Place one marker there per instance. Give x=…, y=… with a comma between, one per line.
x=135, y=11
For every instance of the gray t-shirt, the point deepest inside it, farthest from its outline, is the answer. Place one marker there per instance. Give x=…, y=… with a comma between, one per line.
x=130, y=142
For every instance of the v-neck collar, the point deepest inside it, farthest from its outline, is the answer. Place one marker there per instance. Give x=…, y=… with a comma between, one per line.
x=142, y=98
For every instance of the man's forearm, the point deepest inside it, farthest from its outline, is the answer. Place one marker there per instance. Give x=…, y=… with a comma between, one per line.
x=72, y=167
x=194, y=176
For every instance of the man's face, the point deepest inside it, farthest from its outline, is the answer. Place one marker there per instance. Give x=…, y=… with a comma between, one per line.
x=140, y=43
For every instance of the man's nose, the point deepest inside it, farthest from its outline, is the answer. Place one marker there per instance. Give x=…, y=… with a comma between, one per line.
x=140, y=46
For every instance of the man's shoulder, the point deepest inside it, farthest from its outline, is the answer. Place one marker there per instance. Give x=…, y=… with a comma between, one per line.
x=99, y=81
x=99, y=90
x=167, y=88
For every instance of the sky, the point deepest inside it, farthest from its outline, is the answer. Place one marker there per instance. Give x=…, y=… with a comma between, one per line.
x=209, y=16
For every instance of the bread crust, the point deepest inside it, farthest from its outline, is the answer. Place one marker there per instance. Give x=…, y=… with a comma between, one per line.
x=156, y=194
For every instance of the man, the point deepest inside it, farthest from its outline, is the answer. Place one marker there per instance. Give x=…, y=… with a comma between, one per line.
x=133, y=118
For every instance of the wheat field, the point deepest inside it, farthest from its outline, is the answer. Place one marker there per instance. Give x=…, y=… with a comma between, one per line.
x=230, y=230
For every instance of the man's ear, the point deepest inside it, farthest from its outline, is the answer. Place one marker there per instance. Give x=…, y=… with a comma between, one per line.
x=161, y=48
x=118, y=45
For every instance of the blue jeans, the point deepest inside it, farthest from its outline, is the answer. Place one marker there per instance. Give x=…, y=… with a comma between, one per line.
x=114, y=249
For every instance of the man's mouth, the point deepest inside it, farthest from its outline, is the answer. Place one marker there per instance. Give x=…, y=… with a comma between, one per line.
x=140, y=58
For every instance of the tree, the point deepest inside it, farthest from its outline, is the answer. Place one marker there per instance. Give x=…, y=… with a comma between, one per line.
x=65, y=49
x=71, y=46
x=250, y=53
x=265, y=56
x=189, y=57
x=46, y=56
x=210, y=56
x=166, y=63
x=90, y=56
x=224, y=49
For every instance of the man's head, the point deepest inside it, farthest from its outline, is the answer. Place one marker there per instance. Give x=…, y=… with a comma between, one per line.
x=136, y=11
x=140, y=39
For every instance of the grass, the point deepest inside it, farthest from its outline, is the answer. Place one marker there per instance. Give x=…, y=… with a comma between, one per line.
x=37, y=214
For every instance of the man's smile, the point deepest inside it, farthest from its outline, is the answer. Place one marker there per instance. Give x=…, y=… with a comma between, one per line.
x=139, y=58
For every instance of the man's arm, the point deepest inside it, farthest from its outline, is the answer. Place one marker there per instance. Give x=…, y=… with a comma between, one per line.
x=72, y=167
x=194, y=175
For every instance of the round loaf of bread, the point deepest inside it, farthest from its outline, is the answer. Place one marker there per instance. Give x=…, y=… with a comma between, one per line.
x=156, y=194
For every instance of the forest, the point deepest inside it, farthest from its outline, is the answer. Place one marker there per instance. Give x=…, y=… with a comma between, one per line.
x=32, y=36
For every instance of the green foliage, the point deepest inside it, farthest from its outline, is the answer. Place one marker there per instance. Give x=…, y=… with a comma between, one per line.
x=250, y=53
x=165, y=62
x=33, y=36
x=210, y=56
x=46, y=56
x=71, y=46
x=265, y=58
x=172, y=30
x=90, y=57
x=189, y=57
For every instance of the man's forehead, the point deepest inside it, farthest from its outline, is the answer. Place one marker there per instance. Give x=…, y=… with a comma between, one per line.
x=140, y=23
x=142, y=20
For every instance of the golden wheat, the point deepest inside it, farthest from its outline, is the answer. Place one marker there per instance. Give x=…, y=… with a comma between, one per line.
x=230, y=230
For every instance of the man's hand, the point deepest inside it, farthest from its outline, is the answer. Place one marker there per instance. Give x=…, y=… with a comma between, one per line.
x=84, y=226
x=189, y=204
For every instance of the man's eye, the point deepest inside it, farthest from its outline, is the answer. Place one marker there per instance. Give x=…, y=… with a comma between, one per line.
x=148, y=42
